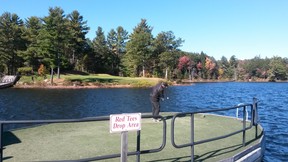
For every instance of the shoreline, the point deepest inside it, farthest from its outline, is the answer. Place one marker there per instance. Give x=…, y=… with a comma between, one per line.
x=71, y=87
x=19, y=86
x=185, y=83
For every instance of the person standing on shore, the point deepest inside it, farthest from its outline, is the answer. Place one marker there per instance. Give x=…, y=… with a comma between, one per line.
x=155, y=96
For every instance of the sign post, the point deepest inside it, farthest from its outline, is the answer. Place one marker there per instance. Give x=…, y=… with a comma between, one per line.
x=124, y=123
x=124, y=146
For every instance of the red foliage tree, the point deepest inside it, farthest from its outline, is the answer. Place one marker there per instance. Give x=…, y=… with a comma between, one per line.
x=184, y=62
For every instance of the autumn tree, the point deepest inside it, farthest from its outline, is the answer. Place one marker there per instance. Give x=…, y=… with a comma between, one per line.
x=210, y=65
x=185, y=65
x=42, y=70
x=200, y=60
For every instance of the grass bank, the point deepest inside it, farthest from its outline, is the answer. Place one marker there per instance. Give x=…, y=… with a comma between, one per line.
x=86, y=80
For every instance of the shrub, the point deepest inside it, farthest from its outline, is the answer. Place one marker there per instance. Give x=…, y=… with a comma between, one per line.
x=25, y=70
x=42, y=70
x=142, y=83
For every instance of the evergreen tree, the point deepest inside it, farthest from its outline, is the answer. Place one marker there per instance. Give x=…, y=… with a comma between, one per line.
x=166, y=52
x=11, y=42
x=54, y=39
x=31, y=55
x=112, y=40
x=122, y=37
x=87, y=63
x=103, y=56
x=139, y=50
x=223, y=68
x=252, y=66
x=77, y=31
x=233, y=61
x=278, y=69
x=202, y=60
x=116, y=41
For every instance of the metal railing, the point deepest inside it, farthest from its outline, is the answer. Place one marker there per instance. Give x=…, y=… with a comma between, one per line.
x=254, y=122
x=137, y=153
x=192, y=143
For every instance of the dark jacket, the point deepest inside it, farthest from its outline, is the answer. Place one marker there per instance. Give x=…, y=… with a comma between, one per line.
x=157, y=92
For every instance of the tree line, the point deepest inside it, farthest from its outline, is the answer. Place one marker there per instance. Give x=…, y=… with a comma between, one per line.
x=57, y=42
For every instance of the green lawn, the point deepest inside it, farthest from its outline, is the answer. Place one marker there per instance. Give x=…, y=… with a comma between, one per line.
x=105, y=78
x=92, y=79
x=68, y=141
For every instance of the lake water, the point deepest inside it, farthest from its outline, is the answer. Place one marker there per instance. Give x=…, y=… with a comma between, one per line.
x=16, y=104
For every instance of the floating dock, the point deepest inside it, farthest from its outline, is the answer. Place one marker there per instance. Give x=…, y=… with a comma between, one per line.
x=88, y=139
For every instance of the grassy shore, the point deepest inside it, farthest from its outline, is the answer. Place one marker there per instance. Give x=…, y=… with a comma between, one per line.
x=85, y=81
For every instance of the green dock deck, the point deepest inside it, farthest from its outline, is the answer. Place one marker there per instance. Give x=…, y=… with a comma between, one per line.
x=72, y=141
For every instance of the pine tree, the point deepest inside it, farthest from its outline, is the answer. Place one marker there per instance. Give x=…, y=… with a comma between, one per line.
x=77, y=41
x=53, y=39
x=31, y=55
x=139, y=50
x=116, y=41
x=102, y=54
x=11, y=42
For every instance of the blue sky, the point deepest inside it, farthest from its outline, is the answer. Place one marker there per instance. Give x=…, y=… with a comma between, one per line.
x=244, y=28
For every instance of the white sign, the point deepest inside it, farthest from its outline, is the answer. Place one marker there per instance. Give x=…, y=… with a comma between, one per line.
x=125, y=122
